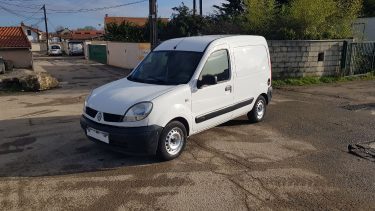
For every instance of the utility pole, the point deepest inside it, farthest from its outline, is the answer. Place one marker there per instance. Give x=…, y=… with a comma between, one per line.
x=194, y=7
x=153, y=23
x=200, y=8
x=45, y=23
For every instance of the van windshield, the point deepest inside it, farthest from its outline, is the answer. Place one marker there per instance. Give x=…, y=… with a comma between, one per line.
x=55, y=47
x=167, y=67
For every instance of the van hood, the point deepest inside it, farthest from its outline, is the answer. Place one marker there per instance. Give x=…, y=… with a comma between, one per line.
x=118, y=96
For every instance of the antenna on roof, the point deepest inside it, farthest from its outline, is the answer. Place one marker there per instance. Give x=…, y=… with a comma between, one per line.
x=174, y=48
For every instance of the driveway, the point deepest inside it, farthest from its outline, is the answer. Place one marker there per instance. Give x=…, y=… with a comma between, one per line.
x=296, y=159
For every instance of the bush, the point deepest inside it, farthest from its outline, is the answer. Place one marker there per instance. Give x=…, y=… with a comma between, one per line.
x=126, y=32
x=319, y=19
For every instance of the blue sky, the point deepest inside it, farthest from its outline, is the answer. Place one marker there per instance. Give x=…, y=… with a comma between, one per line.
x=26, y=8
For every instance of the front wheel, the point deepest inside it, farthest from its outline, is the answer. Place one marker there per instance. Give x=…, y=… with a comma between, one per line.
x=172, y=141
x=259, y=110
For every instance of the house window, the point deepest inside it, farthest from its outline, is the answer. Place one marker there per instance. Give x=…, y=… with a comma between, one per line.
x=28, y=32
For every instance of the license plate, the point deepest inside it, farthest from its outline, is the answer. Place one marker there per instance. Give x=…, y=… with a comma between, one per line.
x=97, y=134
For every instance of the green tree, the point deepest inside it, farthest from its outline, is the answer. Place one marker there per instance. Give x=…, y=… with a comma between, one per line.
x=231, y=9
x=283, y=2
x=86, y=28
x=319, y=19
x=184, y=23
x=260, y=16
x=368, y=8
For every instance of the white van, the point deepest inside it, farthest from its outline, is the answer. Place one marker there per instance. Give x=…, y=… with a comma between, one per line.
x=184, y=86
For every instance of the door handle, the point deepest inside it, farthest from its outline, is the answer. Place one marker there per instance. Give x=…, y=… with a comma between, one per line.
x=228, y=88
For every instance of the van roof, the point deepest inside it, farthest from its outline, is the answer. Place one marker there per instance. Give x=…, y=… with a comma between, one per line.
x=200, y=43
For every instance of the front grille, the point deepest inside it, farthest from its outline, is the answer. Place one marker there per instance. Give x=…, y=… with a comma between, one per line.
x=106, y=116
x=112, y=117
x=91, y=112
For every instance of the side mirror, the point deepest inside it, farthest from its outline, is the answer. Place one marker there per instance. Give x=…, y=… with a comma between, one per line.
x=207, y=80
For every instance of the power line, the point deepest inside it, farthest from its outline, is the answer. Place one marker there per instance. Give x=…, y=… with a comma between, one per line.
x=96, y=9
x=16, y=14
x=28, y=6
x=37, y=23
x=31, y=16
x=50, y=23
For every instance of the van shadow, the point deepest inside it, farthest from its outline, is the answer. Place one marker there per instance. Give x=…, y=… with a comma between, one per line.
x=55, y=146
x=242, y=120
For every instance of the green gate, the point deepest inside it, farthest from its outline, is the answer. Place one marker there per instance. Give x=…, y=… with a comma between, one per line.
x=360, y=57
x=98, y=53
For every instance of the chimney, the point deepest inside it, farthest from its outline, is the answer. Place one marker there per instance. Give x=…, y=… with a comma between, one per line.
x=22, y=24
x=106, y=15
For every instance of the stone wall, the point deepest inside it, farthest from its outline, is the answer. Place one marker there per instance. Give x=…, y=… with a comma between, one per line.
x=299, y=58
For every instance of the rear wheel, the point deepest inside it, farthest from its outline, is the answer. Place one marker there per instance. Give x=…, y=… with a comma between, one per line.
x=172, y=141
x=259, y=110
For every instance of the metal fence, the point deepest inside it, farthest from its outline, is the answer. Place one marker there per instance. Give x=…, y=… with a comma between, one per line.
x=359, y=57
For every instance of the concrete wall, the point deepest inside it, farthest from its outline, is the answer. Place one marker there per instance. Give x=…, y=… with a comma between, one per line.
x=21, y=58
x=126, y=55
x=37, y=47
x=299, y=58
x=86, y=49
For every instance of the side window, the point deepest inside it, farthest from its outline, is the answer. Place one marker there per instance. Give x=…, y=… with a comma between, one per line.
x=28, y=32
x=216, y=67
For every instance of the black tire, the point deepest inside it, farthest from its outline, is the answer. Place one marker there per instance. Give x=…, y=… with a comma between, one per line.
x=172, y=130
x=255, y=115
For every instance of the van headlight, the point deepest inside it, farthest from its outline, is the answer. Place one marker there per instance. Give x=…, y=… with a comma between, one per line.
x=138, y=112
x=85, y=103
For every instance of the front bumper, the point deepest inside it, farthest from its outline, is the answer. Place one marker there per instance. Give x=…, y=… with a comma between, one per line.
x=129, y=140
x=55, y=53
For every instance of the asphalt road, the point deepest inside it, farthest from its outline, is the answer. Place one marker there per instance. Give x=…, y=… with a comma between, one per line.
x=296, y=159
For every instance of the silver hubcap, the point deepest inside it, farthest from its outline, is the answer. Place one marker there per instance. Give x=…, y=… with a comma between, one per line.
x=260, y=109
x=174, y=141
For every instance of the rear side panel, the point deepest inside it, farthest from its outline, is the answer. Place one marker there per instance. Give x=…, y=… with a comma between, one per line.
x=252, y=72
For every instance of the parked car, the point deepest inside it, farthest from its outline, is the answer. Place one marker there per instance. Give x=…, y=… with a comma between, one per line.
x=75, y=48
x=183, y=87
x=2, y=65
x=54, y=50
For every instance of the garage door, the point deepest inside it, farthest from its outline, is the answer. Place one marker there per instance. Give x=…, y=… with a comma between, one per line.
x=98, y=53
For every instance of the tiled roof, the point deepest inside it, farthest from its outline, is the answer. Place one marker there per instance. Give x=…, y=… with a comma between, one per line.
x=136, y=21
x=86, y=34
x=31, y=28
x=13, y=37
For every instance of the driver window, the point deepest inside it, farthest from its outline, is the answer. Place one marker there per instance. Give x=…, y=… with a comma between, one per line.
x=217, y=65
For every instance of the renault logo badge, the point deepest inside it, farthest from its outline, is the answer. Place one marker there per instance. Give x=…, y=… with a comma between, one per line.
x=99, y=116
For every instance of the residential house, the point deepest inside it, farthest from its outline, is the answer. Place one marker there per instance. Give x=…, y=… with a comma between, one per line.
x=87, y=35
x=364, y=29
x=15, y=46
x=33, y=34
x=65, y=34
x=135, y=20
